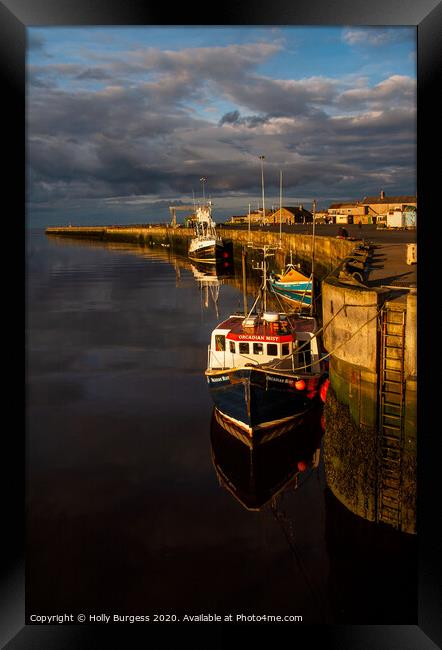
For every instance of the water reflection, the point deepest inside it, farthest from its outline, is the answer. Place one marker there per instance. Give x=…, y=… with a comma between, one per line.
x=138, y=502
x=229, y=268
x=255, y=473
x=209, y=279
x=283, y=479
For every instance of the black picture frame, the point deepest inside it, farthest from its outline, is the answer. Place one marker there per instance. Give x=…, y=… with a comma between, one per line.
x=15, y=17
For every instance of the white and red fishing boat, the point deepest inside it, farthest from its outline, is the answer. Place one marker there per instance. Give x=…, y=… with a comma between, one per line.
x=206, y=246
x=265, y=367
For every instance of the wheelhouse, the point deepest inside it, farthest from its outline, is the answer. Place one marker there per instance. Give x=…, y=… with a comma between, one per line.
x=238, y=342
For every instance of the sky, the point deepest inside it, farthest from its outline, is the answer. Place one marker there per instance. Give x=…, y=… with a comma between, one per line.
x=123, y=122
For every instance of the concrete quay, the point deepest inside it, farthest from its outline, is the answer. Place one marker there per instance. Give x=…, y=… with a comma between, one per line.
x=370, y=333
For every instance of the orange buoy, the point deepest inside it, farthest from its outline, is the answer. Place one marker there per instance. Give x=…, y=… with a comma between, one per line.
x=300, y=384
x=323, y=390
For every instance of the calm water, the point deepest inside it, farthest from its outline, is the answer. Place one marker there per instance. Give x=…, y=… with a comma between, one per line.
x=127, y=511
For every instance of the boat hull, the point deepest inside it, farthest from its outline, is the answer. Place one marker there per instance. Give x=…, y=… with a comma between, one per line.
x=255, y=401
x=297, y=293
x=209, y=253
x=294, y=298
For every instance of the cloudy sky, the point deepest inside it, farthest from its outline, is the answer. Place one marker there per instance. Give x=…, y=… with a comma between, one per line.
x=123, y=122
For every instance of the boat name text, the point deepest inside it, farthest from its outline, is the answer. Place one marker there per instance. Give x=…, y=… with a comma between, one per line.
x=258, y=337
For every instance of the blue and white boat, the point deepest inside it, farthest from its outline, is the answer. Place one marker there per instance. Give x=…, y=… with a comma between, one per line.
x=292, y=286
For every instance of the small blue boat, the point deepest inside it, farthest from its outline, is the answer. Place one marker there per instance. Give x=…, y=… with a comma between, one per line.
x=294, y=287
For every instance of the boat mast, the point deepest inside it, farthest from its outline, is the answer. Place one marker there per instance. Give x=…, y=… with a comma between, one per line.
x=280, y=208
x=313, y=260
x=244, y=281
x=203, y=180
x=264, y=297
x=262, y=158
x=262, y=266
x=204, y=227
x=264, y=281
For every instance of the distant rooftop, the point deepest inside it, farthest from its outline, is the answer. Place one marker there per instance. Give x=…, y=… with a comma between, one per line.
x=294, y=209
x=349, y=204
x=389, y=199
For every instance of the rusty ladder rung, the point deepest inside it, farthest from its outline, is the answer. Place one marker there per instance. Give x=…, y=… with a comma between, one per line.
x=391, y=404
x=391, y=426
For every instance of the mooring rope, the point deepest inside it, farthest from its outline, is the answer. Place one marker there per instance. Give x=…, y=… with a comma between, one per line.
x=329, y=354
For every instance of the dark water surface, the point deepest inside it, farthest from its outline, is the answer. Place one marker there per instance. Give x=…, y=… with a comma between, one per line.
x=126, y=513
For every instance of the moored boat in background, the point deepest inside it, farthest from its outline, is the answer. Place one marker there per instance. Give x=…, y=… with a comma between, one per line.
x=206, y=246
x=292, y=286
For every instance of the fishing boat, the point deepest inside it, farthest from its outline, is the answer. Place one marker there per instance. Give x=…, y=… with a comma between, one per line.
x=264, y=368
x=206, y=246
x=292, y=286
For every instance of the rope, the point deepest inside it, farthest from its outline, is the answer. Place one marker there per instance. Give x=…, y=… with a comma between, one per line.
x=287, y=527
x=329, y=354
x=344, y=342
x=326, y=356
x=316, y=334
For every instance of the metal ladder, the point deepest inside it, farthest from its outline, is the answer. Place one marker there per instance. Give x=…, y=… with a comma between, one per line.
x=391, y=415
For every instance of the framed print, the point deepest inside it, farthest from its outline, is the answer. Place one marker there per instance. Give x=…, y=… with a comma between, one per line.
x=133, y=503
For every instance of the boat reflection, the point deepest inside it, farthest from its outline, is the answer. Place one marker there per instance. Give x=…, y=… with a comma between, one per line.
x=209, y=283
x=255, y=473
x=225, y=267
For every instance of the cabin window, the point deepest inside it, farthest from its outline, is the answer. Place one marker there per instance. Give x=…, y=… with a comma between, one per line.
x=220, y=342
x=306, y=353
x=232, y=346
x=272, y=349
x=243, y=348
x=258, y=348
x=285, y=349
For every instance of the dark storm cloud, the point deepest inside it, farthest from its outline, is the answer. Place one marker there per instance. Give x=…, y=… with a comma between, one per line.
x=156, y=133
x=94, y=73
x=281, y=97
x=234, y=117
x=230, y=118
